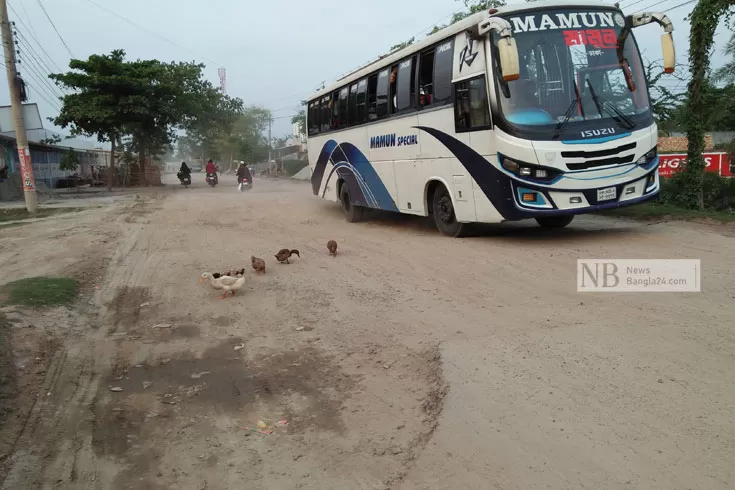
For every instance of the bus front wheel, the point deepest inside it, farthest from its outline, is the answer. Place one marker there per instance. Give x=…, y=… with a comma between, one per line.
x=352, y=213
x=444, y=216
x=554, y=221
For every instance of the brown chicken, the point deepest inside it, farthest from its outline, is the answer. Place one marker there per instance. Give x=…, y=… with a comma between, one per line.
x=258, y=264
x=332, y=247
x=230, y=273
x=284, y=254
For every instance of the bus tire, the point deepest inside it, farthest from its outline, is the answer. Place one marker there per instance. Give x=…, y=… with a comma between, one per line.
x=352, y=213
x=444, y=217
x=554, y=221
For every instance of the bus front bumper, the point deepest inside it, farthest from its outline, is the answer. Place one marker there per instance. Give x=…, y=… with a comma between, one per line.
x=530, y=201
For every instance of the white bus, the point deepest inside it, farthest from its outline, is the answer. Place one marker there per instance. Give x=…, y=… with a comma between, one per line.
x=538, y=110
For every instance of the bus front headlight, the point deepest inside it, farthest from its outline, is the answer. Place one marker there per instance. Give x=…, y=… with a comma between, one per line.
x=648, y=157
x=527, y=170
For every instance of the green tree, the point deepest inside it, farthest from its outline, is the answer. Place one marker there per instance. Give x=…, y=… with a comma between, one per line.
x=726, y=73
x=300, y=119
x=212, y=117
x=69, y=161
x=704, y=20
x=402, y=45
x=470, y=7
x=665, y=103
x=143, y=103
x=102, y=98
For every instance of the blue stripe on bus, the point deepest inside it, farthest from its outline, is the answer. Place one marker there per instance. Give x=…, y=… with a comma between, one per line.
x=363, y=183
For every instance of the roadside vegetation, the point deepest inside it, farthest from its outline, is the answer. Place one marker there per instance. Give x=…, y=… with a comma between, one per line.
x=19, y=214
x=39, y=292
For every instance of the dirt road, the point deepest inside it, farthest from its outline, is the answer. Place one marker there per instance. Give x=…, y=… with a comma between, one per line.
x=409, y=361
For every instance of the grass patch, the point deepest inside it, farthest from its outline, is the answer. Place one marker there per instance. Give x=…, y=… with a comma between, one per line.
x=648, y=211
x=11, y=225
x=40, y=291
x=17, y=214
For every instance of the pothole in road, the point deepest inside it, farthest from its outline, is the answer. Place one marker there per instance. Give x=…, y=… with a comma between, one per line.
x=304, y=386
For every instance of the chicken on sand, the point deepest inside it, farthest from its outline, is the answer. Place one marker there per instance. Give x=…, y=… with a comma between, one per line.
x=258, y=264
x=332, y=247
x=228, y=284
x=284, y=254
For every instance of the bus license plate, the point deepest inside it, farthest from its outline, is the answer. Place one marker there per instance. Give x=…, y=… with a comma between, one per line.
x=607, y=194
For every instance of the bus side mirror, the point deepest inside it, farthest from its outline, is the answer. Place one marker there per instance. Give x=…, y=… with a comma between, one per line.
x=509, y=64
x=669, y=54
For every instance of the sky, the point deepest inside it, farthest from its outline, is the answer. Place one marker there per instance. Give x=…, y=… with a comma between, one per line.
x=275, y=53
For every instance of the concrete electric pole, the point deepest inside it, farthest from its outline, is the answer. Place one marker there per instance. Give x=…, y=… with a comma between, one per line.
x=270, y=141
x=24, y=154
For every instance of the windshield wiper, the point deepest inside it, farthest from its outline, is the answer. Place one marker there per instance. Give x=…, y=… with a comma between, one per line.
x=568, y=114
x=617, y=115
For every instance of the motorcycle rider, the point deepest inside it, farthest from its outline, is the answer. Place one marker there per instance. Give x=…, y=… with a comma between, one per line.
x=184, y=172
x=243, y=172
x=211, y=169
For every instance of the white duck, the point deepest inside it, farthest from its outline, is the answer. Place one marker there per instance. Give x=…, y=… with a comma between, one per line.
x=227, y=283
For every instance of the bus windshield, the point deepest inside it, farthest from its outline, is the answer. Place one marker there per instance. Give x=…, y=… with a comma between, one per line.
x=571, y=77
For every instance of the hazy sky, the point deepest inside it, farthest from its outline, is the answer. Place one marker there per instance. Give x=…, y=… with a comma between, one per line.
x=275, y=52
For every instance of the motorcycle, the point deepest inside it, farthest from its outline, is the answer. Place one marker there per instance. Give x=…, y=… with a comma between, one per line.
x=212, y=179
x=184, y=179
x=244, y=184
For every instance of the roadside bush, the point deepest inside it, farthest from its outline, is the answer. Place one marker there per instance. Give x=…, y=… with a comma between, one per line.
x=718, y=192
x=292, y=167
x=672, y=190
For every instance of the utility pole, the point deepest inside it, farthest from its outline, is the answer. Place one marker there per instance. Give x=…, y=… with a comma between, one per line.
x=270, y=142
x=24, y=154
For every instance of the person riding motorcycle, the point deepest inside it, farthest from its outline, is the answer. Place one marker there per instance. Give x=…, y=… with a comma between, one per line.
x=243, y=172
x=184, y=171
x=211, y=169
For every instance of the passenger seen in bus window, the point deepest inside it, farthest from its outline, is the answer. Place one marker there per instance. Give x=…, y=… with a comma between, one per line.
x=393, y=85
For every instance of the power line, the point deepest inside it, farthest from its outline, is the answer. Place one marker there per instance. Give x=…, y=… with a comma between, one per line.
x=33, y=31
x=302, y=94
x=38, y=43
x=45, y=83
x=653, y=5
x=54, y=106
x=24, y=42
x=33, y=74
x=634, y=3
x=135, y=24
x=42, y=67
x=40, y=4
x=680, y=5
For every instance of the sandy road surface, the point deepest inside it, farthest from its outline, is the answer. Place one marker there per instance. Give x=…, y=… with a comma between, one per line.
x=410, y=361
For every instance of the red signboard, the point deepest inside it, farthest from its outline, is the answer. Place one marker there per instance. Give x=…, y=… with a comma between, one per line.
x=26, y=170
x=717, y=163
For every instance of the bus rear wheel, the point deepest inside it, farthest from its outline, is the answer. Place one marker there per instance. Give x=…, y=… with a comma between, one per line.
x=352, y=213
x=444, y=216
x=554, y=221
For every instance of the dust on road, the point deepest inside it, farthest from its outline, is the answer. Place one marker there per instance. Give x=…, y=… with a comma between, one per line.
x=409, y=361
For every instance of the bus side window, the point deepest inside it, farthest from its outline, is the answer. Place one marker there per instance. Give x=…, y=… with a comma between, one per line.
x=471, y=110
x=343, y=108
x=393, y=86
x=406, y=85
x=443, y=66
x=426, y=78
x=313, y=116
x=382, y=94
x=360, y=106
x=353, y=105
x=334, y=109
x=326, y=122
x=372, y=97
